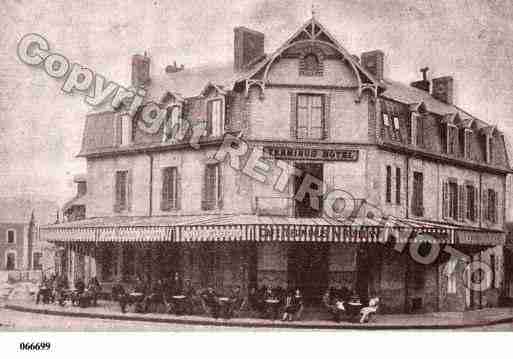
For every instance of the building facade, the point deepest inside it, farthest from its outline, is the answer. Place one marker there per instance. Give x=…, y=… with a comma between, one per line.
x=311, y=170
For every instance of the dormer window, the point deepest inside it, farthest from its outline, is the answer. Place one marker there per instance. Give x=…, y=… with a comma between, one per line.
x=416, y=131
x=215, y=117
x=467, y=136
x=449, y=138
x=489, y=149
x=172, y=124
x=396, y=123
x=386, y=120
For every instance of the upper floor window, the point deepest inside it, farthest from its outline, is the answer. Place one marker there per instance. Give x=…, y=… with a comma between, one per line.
x=169, y=189
x=418, y=194
x=491, y=204
x=388, y=185
x=121, y=189
x=310, y=116
x=398, y=185
x=453, y=200
x=11, y=236
x=396, y=123
x=212, y=187
x=471, y=194
x=215, y=118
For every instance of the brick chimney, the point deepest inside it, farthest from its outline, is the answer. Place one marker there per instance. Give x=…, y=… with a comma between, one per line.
x=424, y=83
x=374, y=62
x=248, y=45
x=443, y=89
x=140, y=70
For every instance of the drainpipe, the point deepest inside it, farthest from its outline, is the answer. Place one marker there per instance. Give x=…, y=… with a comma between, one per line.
x=150, y=199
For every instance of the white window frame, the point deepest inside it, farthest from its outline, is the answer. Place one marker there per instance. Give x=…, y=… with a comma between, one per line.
x=386, y=120
x=218, y=130
x=396, y=122
x=125, y=137
x=172, y=123
x=7, y=235
x=15, y=259
x=310, y=127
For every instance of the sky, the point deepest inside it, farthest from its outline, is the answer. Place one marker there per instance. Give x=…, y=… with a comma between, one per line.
x=41, y=126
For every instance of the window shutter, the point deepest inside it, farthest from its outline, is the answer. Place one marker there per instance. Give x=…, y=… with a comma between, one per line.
x=209, y=118
x=484, y=204
x=204, y=202
x=420, y=131
x=164, y=202
x=445, y=199
x=178, y=192
x=476, y=204
x=119, y=129
x=495, y=206
x=129, y=190
x=461, y=203
x=293, y=115
x=219, y=187
x=326, y=116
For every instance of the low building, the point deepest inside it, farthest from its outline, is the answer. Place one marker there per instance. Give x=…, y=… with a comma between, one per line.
x=336, y=176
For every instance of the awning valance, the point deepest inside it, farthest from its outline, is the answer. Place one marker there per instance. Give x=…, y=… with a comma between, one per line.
x=244, y=228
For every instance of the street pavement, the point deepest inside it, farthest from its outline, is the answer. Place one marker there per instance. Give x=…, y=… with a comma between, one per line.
x=11, y=320
x=14, y=320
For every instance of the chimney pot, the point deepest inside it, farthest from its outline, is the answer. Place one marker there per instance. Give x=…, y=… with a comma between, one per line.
x=443, y=89
x=423, y=84
x=140, y=70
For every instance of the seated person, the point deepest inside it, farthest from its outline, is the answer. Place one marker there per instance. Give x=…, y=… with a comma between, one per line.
x=94, y=290
x=43, y=292
x=271, y=303
x=192, y=299
x=119, y=295
x=293, y=305
x=255, y=300
x=236, y=303
x=155, y=297
x=210, y=299
x=370, y=310
x=79, y=291
x=60, y=287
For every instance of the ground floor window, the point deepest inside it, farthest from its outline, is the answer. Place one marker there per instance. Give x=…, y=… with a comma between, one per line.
x=10, y=261
x=36, y=263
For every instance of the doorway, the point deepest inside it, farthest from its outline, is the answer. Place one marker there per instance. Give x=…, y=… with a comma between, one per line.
x=308, y=270
x=304, y=208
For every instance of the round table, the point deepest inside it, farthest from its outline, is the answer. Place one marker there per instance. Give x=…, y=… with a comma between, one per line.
x=272, y=306
x=179, y=304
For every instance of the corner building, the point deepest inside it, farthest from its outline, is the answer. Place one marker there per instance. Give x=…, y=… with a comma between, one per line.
x=407, y=156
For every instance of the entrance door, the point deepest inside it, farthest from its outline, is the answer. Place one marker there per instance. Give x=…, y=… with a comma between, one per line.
x=308, y=270
x=304, y=208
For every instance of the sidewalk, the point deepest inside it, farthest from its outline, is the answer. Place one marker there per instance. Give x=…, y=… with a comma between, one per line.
x=446, y=320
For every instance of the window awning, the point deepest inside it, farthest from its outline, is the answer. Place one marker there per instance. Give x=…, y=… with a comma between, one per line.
x=231, y=228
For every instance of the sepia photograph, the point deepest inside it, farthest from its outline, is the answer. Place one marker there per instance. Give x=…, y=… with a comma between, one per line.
x=324, y=168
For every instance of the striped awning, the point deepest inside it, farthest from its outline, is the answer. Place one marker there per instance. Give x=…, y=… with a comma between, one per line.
x=254, y=228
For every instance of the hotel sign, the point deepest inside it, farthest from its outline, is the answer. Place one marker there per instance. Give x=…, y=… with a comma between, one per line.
x=299, y=153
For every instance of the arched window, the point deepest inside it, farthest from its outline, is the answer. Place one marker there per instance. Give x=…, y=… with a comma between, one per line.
x=311, y=64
